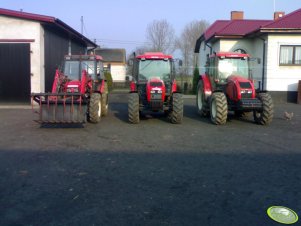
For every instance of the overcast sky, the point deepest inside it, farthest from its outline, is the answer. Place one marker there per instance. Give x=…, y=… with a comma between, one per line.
x=122, y=23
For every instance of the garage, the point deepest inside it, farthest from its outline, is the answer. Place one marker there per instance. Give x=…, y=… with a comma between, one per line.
x=15, y=72
x=32, y=46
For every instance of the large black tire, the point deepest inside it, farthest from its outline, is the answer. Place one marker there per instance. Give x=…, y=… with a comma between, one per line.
x=218, y=108
x=133, y=108
x=202, y=105
x=265, y=116
x=104, y=104
x=95, y=108
x=176, y=113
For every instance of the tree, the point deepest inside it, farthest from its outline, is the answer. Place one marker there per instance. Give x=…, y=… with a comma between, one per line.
x=186, y=43
x=161, y=36
x=196, y=77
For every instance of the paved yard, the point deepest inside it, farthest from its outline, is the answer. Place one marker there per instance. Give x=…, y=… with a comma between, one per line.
x=153, y=173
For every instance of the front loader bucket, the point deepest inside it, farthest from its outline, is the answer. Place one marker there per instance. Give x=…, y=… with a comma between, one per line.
x=61, y=108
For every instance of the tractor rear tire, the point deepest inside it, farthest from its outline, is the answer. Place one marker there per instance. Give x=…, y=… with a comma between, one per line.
x=218, y=108
x=176, y=114
x=202, y=105
x=95, y=108
x=104, y=104
x=265, y=116
x=133, y=108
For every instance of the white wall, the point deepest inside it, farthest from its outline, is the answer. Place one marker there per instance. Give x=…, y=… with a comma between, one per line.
x=281, y=78
x=12, y=28
x=118, y=72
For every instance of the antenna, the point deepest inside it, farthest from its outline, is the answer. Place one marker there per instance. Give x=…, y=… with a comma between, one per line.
x=82, y=24
x=274, y=5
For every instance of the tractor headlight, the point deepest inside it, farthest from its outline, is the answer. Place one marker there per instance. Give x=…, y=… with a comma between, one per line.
x=152, y=91
x=159, y=91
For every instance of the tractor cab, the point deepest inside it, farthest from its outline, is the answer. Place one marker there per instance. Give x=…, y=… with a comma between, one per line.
x=221, y=66
x=154, y=65
x=74, y=65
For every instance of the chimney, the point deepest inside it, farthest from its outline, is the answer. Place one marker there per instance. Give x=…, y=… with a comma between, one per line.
x=278, y=15
x=237, y=15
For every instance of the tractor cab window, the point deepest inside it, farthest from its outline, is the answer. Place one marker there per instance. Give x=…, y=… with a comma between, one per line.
x=154, y=68
x=71, y=70
x=99, y=69
x=89, y=67
x=232, y=66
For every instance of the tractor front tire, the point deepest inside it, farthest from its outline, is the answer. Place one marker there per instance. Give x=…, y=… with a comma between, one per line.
x=202, y=106
x=176, y=114
x=218, y=108
x=133, y=108
x=104, y=104
x=95, y=108
x=265, y=116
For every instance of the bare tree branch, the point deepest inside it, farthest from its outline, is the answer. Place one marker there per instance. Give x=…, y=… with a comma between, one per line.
x=161, y=35
x=186, y=43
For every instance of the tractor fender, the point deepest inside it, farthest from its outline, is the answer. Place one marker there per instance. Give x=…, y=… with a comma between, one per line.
x=174, y=86
x=133, y=87
x=207, y=86
x=102, y=86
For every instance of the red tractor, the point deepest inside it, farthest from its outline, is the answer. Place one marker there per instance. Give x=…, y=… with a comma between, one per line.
x=227, y=85
x=79, y=92
x=153, y=88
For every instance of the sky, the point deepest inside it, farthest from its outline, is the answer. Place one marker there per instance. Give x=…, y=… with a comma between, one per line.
x=123, y=23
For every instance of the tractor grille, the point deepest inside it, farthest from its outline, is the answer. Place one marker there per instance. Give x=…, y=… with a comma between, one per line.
x=156, y=105
x=156, y=96
x=246, y=95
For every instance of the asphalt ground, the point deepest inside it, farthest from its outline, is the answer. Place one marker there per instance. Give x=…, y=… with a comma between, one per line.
x=152, y=173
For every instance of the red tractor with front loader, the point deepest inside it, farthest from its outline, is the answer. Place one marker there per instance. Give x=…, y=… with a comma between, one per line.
x=227, y=85
x=153, y=88
x=79, y=92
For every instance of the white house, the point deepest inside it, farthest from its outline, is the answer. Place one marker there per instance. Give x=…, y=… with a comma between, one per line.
x=276, y=44
x=32, y=46
x=115, y=61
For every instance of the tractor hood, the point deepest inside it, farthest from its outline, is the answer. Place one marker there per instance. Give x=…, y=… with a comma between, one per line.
x=73, y=86
x=155, y=88
x=239, y=87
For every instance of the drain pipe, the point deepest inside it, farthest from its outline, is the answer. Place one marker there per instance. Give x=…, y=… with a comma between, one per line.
x=263, y=63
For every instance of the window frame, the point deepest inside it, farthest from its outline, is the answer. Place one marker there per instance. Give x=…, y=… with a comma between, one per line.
x=293, y=55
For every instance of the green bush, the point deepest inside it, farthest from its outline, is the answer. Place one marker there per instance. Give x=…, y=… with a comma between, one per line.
x=109, y=80
x=196, y=77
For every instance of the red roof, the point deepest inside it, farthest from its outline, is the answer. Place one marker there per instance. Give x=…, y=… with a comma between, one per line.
x=242, y=27
x=289, y=21
x=246, y=27
x=46, y=19
x=215, y=27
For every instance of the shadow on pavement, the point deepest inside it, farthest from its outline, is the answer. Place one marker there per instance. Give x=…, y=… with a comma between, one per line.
x=107, y=188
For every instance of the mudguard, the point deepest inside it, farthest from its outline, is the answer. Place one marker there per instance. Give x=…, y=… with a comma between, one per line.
x=207, y=85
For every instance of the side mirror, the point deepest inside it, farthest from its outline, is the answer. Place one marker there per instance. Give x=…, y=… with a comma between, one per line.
x=130, y=62
x=129, y=78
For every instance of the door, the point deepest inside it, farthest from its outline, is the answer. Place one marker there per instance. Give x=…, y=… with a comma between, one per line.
x=14, y=72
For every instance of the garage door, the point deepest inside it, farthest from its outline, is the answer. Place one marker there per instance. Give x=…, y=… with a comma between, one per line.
x=14, y=72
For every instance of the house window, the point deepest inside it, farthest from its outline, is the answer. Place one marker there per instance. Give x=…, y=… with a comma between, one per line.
x=290, y=55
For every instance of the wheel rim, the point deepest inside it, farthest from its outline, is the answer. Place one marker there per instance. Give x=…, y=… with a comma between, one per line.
x=99, y=109
x=200, y=99
x=213, y=108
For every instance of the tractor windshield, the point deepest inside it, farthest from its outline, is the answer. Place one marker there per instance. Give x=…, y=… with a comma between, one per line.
x=233, y=66
x=154, y=68
x=73, y=68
